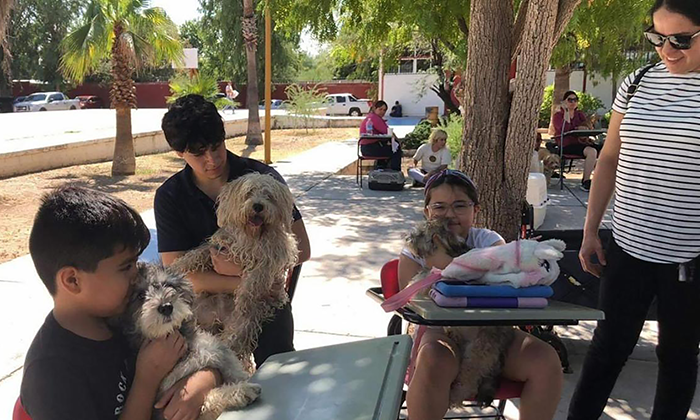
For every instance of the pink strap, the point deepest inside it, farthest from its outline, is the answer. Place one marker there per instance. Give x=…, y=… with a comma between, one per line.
x=414, y=354
x=402, y=298
x=517, y=254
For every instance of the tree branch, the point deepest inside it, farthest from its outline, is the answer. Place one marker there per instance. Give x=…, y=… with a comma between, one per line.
x=462, y=23
x=564, y=13
x=450, y=46
x=518, y=29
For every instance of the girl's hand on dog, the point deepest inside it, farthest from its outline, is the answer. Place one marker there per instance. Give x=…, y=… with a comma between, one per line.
x=157, y=357
x=222, y=265
x=184, y=400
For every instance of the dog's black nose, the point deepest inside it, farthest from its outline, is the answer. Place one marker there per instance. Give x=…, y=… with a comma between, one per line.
x=258, y=207
x=166, y=309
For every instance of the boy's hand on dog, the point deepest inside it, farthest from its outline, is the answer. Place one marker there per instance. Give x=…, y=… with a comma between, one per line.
x=157, y=357
x=224, y=266
x=184, y=400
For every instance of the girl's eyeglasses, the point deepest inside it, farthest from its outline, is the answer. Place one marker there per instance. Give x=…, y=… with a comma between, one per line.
x=678, y=41
x=459, y=208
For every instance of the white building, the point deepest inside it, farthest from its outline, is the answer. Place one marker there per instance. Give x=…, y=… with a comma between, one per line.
x=410, y=84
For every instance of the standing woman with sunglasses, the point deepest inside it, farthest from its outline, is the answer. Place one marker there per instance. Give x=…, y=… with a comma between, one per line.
x=569, y=118
x=650, y=160
x=451, y=195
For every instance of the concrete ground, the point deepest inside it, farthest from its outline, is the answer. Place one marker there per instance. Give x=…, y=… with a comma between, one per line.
x=353, y=232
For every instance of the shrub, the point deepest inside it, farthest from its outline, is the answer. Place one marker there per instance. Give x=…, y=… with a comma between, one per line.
x=589, y=104
x=199, y=84
x=304, y=102
x=418, y=136
x=454, y=126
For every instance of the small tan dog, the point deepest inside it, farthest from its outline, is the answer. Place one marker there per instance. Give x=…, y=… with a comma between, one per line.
x=254, y=215
x=551, y=163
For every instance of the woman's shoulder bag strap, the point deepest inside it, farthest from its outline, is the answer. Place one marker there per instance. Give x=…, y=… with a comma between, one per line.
x=635, y=84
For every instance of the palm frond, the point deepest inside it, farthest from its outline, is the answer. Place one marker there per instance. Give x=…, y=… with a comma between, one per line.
x=86, y=45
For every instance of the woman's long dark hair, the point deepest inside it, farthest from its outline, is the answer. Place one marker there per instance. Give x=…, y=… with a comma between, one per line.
x=687, y=8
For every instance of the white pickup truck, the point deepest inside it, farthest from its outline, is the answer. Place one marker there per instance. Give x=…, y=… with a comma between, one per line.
x=346, y=104
x=46, y=101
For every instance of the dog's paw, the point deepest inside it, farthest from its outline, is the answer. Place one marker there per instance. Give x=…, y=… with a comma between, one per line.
x=251, y=391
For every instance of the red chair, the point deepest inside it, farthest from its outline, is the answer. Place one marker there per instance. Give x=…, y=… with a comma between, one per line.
x=360, y=157
x=389, y=277
x=18, y=413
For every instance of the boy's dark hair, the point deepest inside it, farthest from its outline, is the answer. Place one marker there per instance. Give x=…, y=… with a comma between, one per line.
x=78, y=227
x=192, y=124
x=687, y=8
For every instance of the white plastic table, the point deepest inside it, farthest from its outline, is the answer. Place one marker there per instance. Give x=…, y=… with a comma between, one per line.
x=362, y=380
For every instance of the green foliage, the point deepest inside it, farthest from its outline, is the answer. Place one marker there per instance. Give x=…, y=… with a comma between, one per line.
x=418, y=136
x=199, y=84
x=453, y=126
x=314, y=69
x=149, y=33
x=222, y=53
x=304, y=102
x=35, y=32
x=602, y=34
x=588, y=103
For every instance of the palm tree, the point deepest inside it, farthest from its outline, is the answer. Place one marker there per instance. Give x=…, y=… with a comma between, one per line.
x=250, y=35
x=131, y=35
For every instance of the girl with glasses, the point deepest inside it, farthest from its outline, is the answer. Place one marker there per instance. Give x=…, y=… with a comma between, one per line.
x=569, y=118
x=451, y=194
x=650, y=160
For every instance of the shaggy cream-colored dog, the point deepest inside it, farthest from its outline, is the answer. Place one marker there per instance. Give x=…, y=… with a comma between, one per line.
x=482, y=349
x=160, y=302
x=254, y=215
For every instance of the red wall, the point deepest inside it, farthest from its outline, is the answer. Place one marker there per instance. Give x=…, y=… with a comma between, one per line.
x=152, y=95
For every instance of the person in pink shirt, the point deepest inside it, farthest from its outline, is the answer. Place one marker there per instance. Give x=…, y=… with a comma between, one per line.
x=569, y=118
x=374, y=124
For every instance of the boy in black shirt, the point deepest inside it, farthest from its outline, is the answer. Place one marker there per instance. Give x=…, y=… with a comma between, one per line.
x=84, y=245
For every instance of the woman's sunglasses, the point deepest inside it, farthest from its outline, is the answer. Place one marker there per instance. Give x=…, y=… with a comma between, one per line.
x=679, y=42
x=572, y=99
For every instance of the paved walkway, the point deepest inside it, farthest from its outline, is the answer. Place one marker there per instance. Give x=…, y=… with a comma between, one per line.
x=353, y=232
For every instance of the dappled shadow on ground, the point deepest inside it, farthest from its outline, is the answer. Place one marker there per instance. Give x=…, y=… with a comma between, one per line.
x=113, y=184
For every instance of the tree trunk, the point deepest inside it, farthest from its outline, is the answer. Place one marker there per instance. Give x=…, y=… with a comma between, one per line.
x=250, y=35
x=124, y=161
x=123, y=98
x=562, y=77
x=486, y=106
x=498, y=138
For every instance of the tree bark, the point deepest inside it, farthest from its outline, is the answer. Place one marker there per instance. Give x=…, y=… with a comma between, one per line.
x=562, y=78
x=124, y=161
x=536, y=50
x=499, y=138
x=123, y=98
x=254, y=134
x=486, y=106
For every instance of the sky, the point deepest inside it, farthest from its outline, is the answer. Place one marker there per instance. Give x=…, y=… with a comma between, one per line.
x=184, y=10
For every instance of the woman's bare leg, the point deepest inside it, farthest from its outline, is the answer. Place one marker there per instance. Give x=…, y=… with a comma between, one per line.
x=436, y=368
x=536, y=363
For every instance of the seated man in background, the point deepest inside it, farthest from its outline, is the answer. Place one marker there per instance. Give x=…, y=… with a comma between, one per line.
x=396, y=110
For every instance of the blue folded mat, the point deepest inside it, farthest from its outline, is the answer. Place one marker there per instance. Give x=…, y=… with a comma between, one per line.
x=460, y=289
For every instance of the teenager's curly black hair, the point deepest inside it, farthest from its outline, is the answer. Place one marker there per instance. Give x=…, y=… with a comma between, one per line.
x=192, y=123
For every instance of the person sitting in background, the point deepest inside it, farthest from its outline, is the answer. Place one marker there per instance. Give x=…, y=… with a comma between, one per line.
x=374, y=124
x=569, y=118
x=396, y=110
x=434, y=157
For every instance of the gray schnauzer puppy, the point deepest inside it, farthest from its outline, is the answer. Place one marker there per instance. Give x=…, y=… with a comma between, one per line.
x=160, y=303
x=482, y=349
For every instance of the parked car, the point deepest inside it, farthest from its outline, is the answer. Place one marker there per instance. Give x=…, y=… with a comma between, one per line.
x=274, y=104
x=19, y=99
x=89, y=101
x=46, y=101
x=346, y=104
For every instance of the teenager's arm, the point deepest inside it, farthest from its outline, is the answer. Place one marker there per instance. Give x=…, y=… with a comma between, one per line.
x=208, y=281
